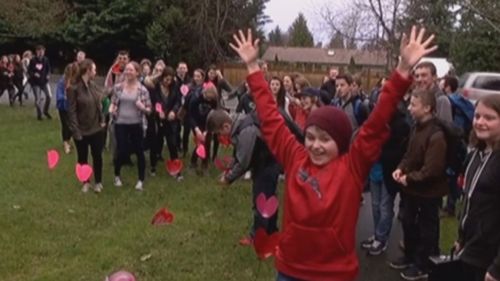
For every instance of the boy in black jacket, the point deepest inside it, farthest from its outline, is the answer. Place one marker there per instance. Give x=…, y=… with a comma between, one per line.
x=250, y=153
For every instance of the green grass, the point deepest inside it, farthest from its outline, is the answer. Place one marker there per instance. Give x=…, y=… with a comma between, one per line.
x=51, y=231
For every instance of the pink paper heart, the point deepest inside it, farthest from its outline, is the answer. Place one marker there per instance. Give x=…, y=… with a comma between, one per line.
x=200, y=151
x=184, y=90
x=267, y=207
x=52, y=158
x=158, y=107
x=39, y=66
x=208, y=84
x=121, y=276
x=83, y=172
x=219, y=164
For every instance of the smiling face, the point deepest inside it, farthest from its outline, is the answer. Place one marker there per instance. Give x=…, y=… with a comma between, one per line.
x=212, y=75
x=307, y=102
x=423, y=78
x=130, y=72
x=418, y=110
x=288, y=84
x=320, y=146
x=198, y=78
x=486, y=124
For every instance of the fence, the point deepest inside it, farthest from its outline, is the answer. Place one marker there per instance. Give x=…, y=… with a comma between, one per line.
x=236, y=73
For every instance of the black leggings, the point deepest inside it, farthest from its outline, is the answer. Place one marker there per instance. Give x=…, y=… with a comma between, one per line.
x=96, y=144
x=186, y=130
x=65, y=131
x=167, y=130
x=130, y=135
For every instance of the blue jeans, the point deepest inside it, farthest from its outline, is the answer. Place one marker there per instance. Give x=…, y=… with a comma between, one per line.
x=283, y=277
x=383, y=210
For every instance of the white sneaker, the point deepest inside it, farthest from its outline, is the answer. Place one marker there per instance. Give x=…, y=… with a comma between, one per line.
x=138, y=186
x=85, y=188
x=98, y=188
x=67, y=147
x=179, y=178
x=247, y=176
x=118, y=182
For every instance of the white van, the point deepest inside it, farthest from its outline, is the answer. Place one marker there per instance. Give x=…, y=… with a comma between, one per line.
x=473, y=85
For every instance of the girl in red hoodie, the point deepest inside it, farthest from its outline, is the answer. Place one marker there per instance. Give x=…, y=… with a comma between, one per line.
x=325, y=176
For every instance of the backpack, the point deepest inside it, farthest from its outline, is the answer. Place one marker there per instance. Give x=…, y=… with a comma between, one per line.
x=463, y=113
x=456, y=147
x=359, y=112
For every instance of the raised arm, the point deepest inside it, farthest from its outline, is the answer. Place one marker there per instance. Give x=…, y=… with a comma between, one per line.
x=277, y=136
x=367, y=145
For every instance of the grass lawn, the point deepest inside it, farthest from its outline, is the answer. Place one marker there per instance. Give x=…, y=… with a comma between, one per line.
x=51, y=231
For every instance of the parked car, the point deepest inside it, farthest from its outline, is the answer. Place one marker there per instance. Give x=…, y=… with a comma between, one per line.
x=473, y=85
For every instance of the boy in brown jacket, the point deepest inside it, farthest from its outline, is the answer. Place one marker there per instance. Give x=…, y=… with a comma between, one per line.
x=422, y=173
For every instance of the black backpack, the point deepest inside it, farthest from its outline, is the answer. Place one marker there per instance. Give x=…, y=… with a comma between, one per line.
x=456, y=145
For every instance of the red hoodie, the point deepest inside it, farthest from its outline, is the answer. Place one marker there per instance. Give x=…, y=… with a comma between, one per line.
x=321, y=203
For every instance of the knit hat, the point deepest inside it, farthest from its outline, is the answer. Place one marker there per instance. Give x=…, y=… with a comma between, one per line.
x=309, y=92
x=335, y=122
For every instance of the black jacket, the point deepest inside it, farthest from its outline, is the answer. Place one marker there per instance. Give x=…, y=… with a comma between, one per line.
x=330, y=88
x=199, y=108
x=479, y=230
x=39, y=70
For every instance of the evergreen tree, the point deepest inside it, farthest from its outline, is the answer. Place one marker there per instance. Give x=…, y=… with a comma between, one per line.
x=299, y=33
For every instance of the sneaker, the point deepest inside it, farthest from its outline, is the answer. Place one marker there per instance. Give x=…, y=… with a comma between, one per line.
x=139, y=186
x=86, y=187
x=413, y=273
x=246, y=241
x=67, y=147
x=48, y=115
x=367, y=244
x=153, y=172
x=118, y=182
x=400, y=263
x=179, y=178
x=247, y=176
x=98, y=188
x=377, y=248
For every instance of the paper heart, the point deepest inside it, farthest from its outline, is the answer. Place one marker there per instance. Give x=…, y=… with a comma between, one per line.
x=174, y=167
x=265, y=245
x=39, y=66
x=208, y=84
x=184, y=90
x=163, y=216
x=121, y=276
x=201, y=152
x=159, y=107
x=225, y=140
x=267, y=207
x=52, y=158
x=83, y=172
x=116, y=69
x=219, y=164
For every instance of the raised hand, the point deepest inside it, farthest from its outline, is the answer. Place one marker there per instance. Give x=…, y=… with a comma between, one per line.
x=247, y=49
x=413, y=48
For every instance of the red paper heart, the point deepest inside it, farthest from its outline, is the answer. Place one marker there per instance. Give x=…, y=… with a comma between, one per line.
x=265, y=245
x=163, y=216
x=223, y=164
x=461, y=181
x=52, y=158
x=174, y=167
x=158, y=107
x=83, y=172
x=201, y=152
x=184, y=90
x=116, y=69
x=225, y=140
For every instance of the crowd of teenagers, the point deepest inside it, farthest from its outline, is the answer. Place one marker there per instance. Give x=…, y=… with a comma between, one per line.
x=412, y=135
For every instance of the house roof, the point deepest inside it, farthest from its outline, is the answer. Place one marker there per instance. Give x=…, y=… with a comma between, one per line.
x=326, y=56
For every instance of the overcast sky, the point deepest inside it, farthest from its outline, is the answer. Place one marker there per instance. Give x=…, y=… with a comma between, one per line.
x=284, y=12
